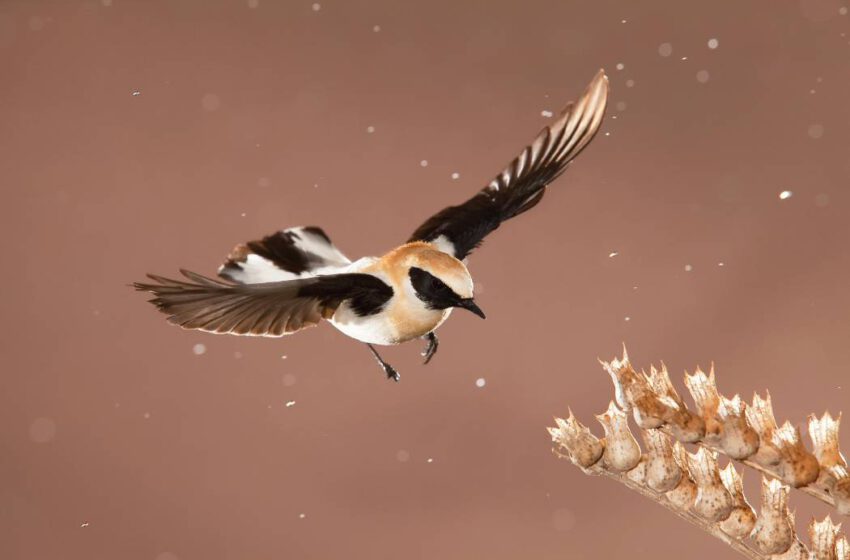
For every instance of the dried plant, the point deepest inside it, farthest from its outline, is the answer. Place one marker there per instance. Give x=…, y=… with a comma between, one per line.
x=691, y=485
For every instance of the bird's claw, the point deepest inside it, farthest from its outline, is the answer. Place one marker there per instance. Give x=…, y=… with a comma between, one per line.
x=431, y=349
x=391, y=372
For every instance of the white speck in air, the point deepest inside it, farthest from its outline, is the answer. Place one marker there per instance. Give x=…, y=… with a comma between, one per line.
x=317, y=7
x=623, y=21
x=842, y=10
x=621, y=106
x=688, y=268
x=665, y=49
x=627, y=319
x=702, y=76
x=146, y=415
x=424, y=163
x=370, y=129
x=290, y=404
x=284, y=357
x=721, y=263
x=243, y=214
x=455, y=176
x=136, y=93
x=785, y=195
x=713, y=43
x=302, y=516
x=199, y=348
x=620, y=66
x=607, y=134
x=546, y=113
x=630, y=83
x=376, y=29
x=480, y=382
x=613, y=254
x=430, y=460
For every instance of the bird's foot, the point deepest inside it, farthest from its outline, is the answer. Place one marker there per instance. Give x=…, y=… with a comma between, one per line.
x=431, y=349
x=391, y=372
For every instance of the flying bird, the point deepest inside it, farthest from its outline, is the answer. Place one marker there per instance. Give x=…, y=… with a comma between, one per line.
x=295, y=278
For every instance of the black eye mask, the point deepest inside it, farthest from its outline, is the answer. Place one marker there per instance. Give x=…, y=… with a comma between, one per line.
x=432, y=290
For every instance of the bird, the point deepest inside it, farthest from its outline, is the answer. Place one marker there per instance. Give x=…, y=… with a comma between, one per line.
x=295, y=278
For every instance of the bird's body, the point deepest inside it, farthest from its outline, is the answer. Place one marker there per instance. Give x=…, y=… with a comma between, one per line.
x=296, y=277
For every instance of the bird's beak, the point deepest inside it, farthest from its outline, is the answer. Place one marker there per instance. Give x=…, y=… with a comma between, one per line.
x=470, y=305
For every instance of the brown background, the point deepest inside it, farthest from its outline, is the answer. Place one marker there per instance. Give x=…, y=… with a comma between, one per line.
x=118, y=441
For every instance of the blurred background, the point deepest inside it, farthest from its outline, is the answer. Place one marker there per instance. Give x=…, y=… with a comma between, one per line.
x=707, y=222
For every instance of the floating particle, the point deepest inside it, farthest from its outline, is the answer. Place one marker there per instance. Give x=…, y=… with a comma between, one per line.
x=288, y=380
x=688, y=268
x=290, y=404
x=317, y=7
x=702, y=76
x=713, y=43
x=402, y=456
x=284, y=357
x=480, y=382
x=815, y=131
x=622, y=21
x=721, y=263
x=430, y=460
x=370, y=129
x=42, y=430
x=607, y=134
x=621, y=106
x=304, y=515
x=546, y=113
x=199, y=348
x=253, y=4
x=424, y=163
x=630, y=83
x=627, y=319
x=812, y=91
x=455, y=175
x=620, y=66
x=842, y=10
x=613, y=254
x=665, y=49
x=243, y=214
x=684, y=58
x=785, y=195
x=136, y=93
x=146, y=415
x=376, y=29
x=84, y=524
x=210, y=102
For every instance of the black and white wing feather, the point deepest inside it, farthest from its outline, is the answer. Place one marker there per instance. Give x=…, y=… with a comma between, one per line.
x=268, y=309
x=460, y=229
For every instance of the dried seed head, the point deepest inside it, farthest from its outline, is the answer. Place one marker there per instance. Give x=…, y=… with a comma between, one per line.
x=774, y=530
x=797, y=466
x=741, y=521
x=713, y=501
x=634, y=394
x=760, y=416
x=824, y=434
x=703, y=390
x=822, y=535
x=738, y=439
x=797, y=551
x=662, y=471
x=583, y=448
x=685, y=494
x=638, y=474
x=622, y=452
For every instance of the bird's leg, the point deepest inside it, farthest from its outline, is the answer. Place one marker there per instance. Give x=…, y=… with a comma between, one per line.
x=388, y=369
x=431, y=349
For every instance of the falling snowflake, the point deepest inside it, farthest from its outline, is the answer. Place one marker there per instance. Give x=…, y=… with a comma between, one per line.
x=713, y=43
x=303, y=515
x=424, y=163
x=376, y=28
x=613, y=254
x=620, y=66
x=290, y=404
x=627, y=319
x=84, y=524
x=546, y=113
x=785, y=195
x=317, y=7
x=430, y=460
x=136, y=93
x=199, y=348
x=455, y=176
x=721, y=263
x=370, y=129
x=688, y=268
x=480, y=382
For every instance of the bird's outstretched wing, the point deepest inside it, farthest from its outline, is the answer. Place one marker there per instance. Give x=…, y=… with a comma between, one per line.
x=269, y=309
x=460, y=229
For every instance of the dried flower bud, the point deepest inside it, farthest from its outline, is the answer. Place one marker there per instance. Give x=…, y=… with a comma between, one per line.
x=713, y=502
x=824, y=434
x=622, y=452
x=760, y=416
x=634, y=394
x=662, y=471
x=741, y=521
x=703, y=390
x=638, y=474
x=583, y=448
x=774, y=530
x=797, y=551
x=842, y=549
x=684, y=424
x=797, y=466
x=822, y=535
x=738, y=439
x=840, y=488
x=684, y=495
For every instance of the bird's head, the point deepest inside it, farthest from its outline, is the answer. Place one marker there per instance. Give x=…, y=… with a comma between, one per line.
x=442, y=281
